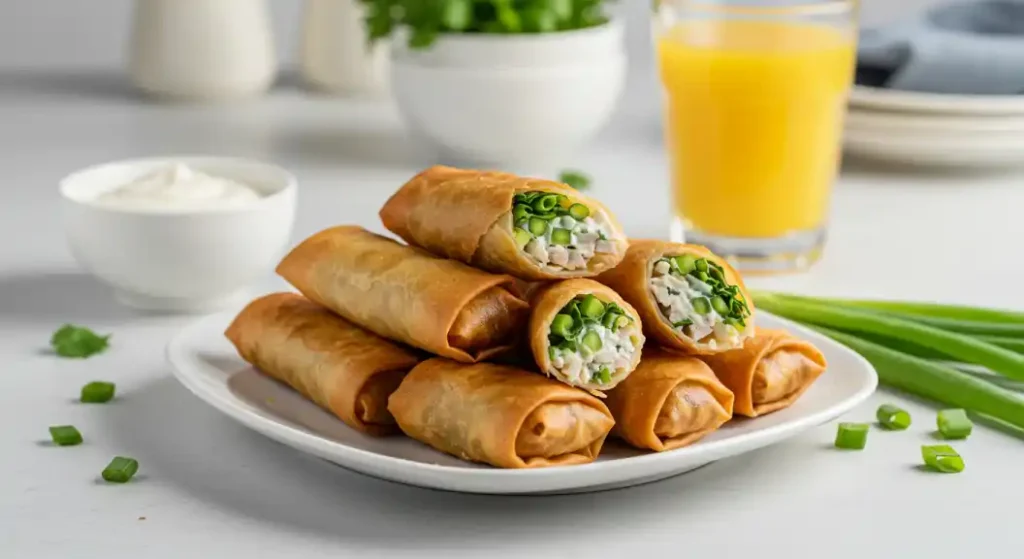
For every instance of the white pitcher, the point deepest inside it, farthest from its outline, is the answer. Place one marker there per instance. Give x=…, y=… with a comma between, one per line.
x=202, y=49
x=336, y=55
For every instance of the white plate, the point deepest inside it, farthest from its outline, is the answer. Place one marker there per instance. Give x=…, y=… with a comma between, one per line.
x=896, y=100
x=933, y=123
x=970, y=150
x=205, y=362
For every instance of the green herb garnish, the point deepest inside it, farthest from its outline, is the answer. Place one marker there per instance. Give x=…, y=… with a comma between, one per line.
x=852, y=436
x=97, y=392
x=120, y=469
x=942, y=458
x=954, y=424
x=77, y=341
x=892, y=417
x=65, y=435
x=575, y=179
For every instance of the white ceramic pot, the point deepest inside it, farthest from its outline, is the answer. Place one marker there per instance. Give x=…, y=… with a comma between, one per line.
x=511, y=99
x=202, y=49
x=179, y=261
x=336, y=54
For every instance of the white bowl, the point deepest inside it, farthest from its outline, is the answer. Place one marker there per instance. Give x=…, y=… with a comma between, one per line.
x=179, y=260
x=511, y=99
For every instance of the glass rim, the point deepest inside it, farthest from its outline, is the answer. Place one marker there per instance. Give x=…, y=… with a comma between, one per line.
x=818, y=8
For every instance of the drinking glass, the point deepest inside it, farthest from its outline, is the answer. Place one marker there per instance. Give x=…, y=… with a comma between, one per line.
x=755, y=97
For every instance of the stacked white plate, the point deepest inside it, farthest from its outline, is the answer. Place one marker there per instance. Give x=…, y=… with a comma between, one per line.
x=935, y=129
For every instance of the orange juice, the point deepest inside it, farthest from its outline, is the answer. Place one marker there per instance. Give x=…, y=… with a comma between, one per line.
x=754, y=115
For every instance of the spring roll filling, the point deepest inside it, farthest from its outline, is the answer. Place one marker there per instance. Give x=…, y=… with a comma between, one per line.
x=557, y=233
x=592, y=342
x=695, y=298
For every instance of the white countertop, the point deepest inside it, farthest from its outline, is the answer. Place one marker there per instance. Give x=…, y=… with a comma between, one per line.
x=208, y=487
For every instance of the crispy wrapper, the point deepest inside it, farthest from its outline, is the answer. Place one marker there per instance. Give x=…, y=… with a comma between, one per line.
x=408, y=295
x=548, y=301
x=770, y=372
x=669, y=401
x=632, y=279
x=343, y=368
x=466, y=215
x=499, y=415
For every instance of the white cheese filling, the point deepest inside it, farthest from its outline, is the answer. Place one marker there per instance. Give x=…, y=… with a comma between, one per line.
x=584, y=365
x=675, y=295
x=588, y=237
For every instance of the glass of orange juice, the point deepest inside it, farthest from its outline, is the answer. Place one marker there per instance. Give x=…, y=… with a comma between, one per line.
x=755, y=95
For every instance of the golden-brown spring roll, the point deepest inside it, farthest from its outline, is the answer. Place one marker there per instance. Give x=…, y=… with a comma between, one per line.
x=583, y=334
x=530, y=228
x=339, y=366
x=408, y=295
x=499, y=415
x=769, y=372
x=668, y=402
x=688, y=298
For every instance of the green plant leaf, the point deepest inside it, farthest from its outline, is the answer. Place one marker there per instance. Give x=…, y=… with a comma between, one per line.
x=77, y=342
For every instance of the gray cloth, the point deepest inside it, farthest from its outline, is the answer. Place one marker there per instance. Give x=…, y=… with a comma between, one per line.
x=967, y=48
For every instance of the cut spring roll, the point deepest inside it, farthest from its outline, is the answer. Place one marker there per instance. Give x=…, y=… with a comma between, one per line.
x=668, y=402
x=583, y=334
x=339, y=366
x=408, y=295
x=769, y=373
x=499, y=415
x=688, y=298
x=533, y=229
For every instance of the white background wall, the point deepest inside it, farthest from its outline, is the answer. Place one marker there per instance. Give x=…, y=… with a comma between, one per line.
x=92, y=33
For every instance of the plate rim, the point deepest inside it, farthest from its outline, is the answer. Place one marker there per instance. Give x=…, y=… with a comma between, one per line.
x=484, y=479
x=894, y=100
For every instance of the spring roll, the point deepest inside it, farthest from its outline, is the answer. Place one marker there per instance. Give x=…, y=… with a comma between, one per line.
x=533, y=229
x=769, y=373
x=583, y=334
x=669, y=401
x=689, y=299
x=408, y=295
x=499, y=415
x=339, y=366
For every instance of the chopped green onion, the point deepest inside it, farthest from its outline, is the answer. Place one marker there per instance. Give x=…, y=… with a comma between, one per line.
x=720, y=306
x=521, y=211
x=942, y=458
x=686, y=263
x=852, y=436
x=562, y=325
x=552, y=352
x=702, y=265
x=523, y=237
x=716, y=273
x=591, y=307
x=701, y=305
x=97, y=392
x=681, y=323
x=65, y=435
x=545, y=203
x=538, y=226
x=561, y=236
x=120, y=469
x=604, y=376
x=892, y=417
x=592, y=340
x=954, y=424
x=935, y=381
x=579, y=211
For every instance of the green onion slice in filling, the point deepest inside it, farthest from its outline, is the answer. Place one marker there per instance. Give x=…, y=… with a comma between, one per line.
x=722, y=297
x=573, y=328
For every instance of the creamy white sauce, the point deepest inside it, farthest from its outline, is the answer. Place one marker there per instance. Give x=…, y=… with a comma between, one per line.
x=616, y=353
x=674, y=295
x=177, y=186
x=589, y=237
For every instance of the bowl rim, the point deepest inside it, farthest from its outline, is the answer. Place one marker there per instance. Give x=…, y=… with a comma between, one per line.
x=285, y=185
